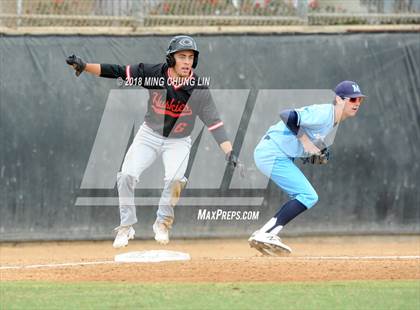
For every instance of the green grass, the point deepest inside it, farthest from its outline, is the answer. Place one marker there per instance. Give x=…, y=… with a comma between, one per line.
x=315, y=295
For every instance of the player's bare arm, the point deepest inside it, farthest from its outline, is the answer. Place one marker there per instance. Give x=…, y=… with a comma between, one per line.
x=94, y=69
x=308, y=145
x=226, y=147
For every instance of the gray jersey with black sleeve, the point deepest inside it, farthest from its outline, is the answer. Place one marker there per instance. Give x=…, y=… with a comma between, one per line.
x=171, y=110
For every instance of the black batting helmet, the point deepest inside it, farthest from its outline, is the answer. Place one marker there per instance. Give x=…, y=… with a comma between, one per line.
x=181, y=43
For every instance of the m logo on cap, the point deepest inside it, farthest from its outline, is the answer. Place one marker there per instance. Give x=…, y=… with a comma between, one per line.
x=356, y=88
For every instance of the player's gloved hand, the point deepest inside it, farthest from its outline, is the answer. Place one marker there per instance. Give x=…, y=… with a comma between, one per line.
x=232, y=159
x=310, y=148
x=78, y=64
x=317, y=154
x=318, y=159
x=234, y=162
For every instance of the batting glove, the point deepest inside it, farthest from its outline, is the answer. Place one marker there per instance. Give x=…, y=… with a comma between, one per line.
x=78, y=64
x=232, y=159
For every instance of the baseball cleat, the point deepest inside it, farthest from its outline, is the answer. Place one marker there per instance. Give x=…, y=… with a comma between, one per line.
x=176, y=189
x=124, y=233
x=256, y=245
x=161, y=232
x=268, y=244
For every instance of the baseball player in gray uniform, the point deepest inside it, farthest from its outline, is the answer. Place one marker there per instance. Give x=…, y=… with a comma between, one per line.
x=171, y=113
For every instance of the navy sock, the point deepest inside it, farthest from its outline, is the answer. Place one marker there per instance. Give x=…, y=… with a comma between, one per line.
x=288, y=212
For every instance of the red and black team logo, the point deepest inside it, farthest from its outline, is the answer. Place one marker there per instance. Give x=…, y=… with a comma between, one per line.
x=174, y=108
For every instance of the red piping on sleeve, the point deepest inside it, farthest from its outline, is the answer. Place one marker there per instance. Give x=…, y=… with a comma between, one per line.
x=217, y=125
x=127, y=72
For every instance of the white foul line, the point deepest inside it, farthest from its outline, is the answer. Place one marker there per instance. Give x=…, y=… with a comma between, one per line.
x=57, y=265
x=353, y=257
x=413, y=257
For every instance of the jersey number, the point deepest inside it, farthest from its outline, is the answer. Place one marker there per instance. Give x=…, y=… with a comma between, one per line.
x=180, y=127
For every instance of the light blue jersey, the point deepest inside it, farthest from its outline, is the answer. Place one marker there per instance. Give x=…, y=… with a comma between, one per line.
x=317, y=120
x=275, y=152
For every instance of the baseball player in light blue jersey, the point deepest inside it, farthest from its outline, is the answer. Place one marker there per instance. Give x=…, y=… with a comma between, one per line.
x=300, y=133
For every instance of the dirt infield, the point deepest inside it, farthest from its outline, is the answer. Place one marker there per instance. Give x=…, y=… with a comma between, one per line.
x=313, y=259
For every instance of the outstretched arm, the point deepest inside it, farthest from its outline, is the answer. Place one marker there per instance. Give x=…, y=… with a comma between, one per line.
x=102, y=70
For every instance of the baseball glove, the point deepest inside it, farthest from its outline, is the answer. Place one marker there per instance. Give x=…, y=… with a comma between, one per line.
x=318, y=159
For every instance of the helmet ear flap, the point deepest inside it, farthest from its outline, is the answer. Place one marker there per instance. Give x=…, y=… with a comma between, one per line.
x=195, y=62
x=170, y=60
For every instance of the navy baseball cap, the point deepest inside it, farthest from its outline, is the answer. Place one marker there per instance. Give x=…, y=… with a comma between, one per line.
x=348, y=89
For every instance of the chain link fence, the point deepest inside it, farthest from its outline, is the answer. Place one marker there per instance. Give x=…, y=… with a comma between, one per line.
x=152, y=13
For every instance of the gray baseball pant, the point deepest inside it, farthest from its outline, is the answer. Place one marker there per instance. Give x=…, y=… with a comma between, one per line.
x=146, y=147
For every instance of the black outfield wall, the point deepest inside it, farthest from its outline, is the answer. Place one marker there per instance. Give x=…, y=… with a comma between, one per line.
x=49, y=120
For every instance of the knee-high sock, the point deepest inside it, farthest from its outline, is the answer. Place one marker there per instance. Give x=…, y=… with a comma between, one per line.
x=287, y=212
